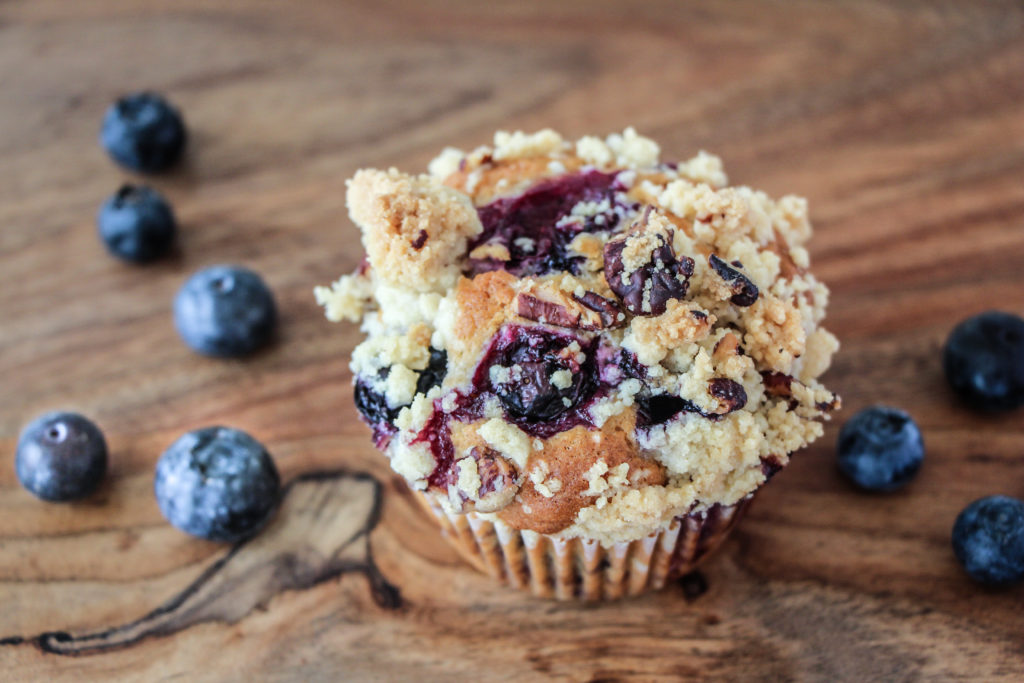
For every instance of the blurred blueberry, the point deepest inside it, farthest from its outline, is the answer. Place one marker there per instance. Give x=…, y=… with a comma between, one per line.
x=225, y=311
x=984, y=361
x=143, y=132
x=988, y=539
x=61, y=457
x=880, y=448
x=137, y=224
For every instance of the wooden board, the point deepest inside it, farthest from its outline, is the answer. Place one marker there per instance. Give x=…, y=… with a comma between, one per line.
x=902, y=122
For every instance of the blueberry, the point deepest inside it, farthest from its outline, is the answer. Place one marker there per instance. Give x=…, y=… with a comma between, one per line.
x=433, y=375
x=658, y=409
x=880, y=448
x=61, y=457
x=374, y=406
x=532, y=228
x=984, y=361
x=745, y=292
x=225, y=311
x=143, y=132
x=217, y=483
x=988, y=539
x=371, y=403
x=532, y=357
x=137, y=224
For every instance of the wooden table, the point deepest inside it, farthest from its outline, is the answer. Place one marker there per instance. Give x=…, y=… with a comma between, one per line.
x=902, y=122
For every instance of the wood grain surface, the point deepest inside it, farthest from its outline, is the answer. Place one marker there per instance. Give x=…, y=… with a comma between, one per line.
x=903, y=123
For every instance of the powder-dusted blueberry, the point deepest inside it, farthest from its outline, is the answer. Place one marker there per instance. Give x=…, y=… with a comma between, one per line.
x=647, y=289
x=136, y=224
x=988, y=539
x=217, y=483
x=143, y=132
x=744, y=292
x=880, y=448
x=61, y=457
x=984, y=361
x=225, y=311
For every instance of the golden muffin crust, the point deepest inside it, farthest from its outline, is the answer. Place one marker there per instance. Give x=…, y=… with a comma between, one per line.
x=579, y=339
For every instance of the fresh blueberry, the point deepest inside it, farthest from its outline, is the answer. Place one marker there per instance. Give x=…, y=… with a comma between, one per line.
x=988, y=539
x=137, y=224
x=880, y=448
x=61, y=457
x=217, y=483
x=984, y=361
x=225, y=311
x=143, y=132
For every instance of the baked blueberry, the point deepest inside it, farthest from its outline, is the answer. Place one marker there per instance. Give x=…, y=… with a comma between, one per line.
x=61, y=457
x=143, y=132
x=745, y=292
x=433, y=375
x=984, y=361
x=137, y=224
x=217, y=483
x=371, y=403
x=880, y=448
x=537, y=226
x=988, y=539
x=225, y=311
x=537, y=374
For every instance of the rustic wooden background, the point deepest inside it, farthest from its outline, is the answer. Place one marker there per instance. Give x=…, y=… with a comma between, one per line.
x=902, y=122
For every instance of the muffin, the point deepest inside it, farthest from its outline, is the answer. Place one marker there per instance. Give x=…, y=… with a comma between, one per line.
x=583, y=360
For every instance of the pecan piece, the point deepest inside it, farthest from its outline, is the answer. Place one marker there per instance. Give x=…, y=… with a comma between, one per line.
x=499, y=483
x=777, y=384
x=609, y=312
x=533, y=308
x=647, y=287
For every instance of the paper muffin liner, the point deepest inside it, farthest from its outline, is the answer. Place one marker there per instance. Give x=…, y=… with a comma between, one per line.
x=577, y=568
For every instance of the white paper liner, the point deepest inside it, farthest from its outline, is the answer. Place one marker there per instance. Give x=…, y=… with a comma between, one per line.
x=568, y=569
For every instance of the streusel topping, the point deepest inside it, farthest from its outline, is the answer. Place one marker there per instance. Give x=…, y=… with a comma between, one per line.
x=579, y=339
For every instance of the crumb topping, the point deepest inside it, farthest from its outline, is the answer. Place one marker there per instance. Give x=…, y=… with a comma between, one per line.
x=581, y=339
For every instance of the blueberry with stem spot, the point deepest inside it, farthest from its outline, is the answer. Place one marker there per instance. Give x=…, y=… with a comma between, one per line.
x=61, y=457
x=880, y=448
x=143, y=133
x=225, y=311
x=984, y=361
x=137, y=224
x=988, y=540
x=217, y=483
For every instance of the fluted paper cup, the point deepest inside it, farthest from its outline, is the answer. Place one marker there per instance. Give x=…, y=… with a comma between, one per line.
x=576, y=568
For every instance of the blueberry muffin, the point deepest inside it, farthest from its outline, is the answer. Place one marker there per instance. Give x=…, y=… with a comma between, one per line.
x=584, y=360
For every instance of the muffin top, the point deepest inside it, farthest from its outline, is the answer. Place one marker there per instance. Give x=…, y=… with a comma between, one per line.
x=580, y=339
